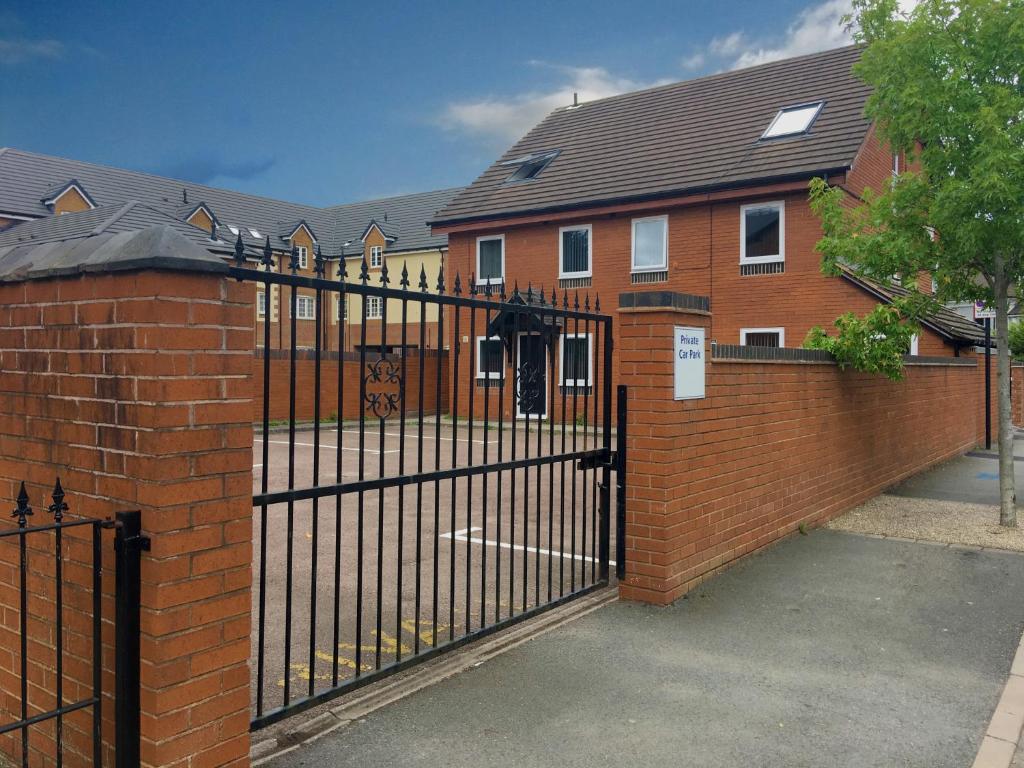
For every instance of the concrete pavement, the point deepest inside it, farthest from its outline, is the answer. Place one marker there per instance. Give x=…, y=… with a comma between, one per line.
x=827, y=650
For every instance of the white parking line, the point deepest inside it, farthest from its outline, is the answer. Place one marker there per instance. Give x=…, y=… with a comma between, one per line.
x=461, y=535
x=323, y=445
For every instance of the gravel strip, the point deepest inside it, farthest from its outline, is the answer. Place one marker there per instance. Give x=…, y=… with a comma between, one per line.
x=952, y=522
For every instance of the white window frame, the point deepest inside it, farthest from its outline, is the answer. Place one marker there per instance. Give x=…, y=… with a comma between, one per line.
x=589, y=271
x=590, y=361
x=376, y=256
x=779, y=205
x=915, y=344
x=261, y=298
x=300, y=302
x=500, y=280
x=780, y=331
x=374, y=301
x=633, y=268
x=303, y=256
x=818, y=105
x=481, y=374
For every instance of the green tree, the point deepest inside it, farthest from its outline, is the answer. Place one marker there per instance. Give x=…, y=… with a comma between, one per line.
x=948, y=91
x=1017, y=340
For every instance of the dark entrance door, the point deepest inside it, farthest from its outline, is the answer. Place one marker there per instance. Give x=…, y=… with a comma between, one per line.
x=531, y=376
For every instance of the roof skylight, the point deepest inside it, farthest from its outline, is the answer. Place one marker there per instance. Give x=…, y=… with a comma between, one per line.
x=254, y=233
x=233, y=228
x=530, y=166
x=793, y=120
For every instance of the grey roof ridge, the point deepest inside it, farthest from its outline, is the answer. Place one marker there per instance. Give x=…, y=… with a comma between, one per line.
x=705, y=78
x=116, y=216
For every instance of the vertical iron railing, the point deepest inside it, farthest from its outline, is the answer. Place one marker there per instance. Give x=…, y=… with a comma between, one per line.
x=128, y=545
x=512, y=508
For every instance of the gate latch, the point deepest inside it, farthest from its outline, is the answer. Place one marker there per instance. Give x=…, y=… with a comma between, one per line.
x=598, y=460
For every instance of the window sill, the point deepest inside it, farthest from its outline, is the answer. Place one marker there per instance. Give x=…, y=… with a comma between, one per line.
x=762, y=268
x=644, y=278
x=489, y=383
x=575, y=282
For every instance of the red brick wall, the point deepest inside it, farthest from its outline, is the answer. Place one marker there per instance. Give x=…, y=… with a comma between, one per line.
x=771, y=446
x=305, y=384
x=135, y=388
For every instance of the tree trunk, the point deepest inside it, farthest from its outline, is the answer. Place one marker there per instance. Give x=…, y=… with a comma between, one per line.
x=1007, y=487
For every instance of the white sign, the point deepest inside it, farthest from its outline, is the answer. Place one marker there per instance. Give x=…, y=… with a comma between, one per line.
x=689, y=363
x=981, y=312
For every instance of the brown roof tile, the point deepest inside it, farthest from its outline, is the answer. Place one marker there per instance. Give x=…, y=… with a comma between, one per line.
x=686, y=137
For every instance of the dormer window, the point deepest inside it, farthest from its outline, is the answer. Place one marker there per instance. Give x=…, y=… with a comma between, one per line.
x=791, y=121
x=376, y=256
x=530, y=166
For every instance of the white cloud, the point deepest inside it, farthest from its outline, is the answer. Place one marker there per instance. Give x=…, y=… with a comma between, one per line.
x=816, y=28
x=505, y=119
x=17, y=51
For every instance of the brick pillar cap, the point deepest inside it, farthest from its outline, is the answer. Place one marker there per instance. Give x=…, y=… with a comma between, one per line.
x=99, y=250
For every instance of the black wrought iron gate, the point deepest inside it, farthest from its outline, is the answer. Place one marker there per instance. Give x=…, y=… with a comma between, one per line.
x=433, y=464
x=53, y=591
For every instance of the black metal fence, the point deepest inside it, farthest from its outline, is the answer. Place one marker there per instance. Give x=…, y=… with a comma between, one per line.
x=385, y=540
x=55, y=590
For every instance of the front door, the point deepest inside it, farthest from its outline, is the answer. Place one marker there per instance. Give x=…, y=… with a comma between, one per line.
x=531, y=376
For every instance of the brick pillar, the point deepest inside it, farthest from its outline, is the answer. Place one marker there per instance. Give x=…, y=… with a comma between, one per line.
x=135, y=388
x=193, y=469
x=659, y=527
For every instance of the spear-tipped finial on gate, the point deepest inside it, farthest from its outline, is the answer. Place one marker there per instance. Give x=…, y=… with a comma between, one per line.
x=423, y=279
x=597, y=302
x=554, y=298
x=440, y=279
x=529, y=292
x=58, y=508
x=319, y=263
x=576, y=301
x=384, y=279
x=586, y=302
x=364, y=271
x=565, y=299
x=293, y=261
x=473, y=290
x=502, y=295
x=457, y=290
x=404, y=282
x=268, y=255
x=239, y=250
x=24, y=510
x=541, y=299
x=342, y=268
x=515, y=290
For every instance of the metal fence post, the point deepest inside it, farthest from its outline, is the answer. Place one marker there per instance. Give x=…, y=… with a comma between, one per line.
x=620, y=483
x=128, y=544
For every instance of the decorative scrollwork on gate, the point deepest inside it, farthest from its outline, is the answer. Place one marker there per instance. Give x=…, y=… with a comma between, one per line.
x=383, y=372
x=530, y=387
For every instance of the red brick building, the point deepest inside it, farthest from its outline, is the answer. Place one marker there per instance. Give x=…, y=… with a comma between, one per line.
x=698, y=187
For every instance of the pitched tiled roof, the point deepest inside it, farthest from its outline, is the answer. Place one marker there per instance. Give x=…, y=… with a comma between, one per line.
x=26, y=177
x=687, y=137
x=944, y=321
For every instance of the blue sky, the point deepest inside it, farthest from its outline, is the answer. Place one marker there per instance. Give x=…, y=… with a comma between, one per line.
x=330, y=102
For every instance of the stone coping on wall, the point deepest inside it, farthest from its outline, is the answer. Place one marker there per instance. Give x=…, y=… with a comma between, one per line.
x=737, y=353
x=157, y=247
x=639, y=301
